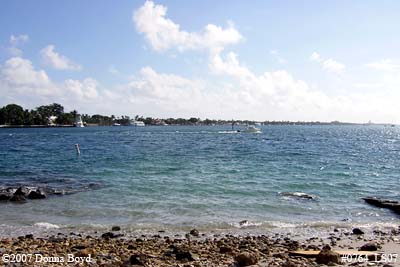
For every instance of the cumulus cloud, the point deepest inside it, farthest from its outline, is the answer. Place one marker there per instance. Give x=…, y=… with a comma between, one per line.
x=22, y=83
x=19, y=71
x=384, y=65
x=329, y=65
x=82, y=90
x=163, y=34
x=56, y=60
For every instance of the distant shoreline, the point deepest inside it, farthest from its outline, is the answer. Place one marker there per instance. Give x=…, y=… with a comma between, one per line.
x=36, y=126
x=221, y=124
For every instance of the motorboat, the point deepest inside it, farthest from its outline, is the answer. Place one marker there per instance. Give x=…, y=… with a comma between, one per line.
x=251, y=129
x=138, y=123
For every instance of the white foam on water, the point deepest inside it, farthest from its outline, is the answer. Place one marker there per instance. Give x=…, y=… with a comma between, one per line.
x=46, y=225
x=283, y=225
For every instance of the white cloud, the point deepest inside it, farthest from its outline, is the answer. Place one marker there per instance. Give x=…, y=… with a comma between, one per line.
x=19, y=71
x=384, y=65
x=20, y=39
x=21, y=83
x=315, y=57
x=83, y=91
x=16, y=41
x=162, y=33
x=330, y=65
x=274, y=95
x=57, y=61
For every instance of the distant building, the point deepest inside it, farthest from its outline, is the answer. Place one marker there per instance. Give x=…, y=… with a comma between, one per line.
x=52, y=121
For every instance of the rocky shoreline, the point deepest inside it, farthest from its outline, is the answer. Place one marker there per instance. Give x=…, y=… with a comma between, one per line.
x=196, y=249
x=22, y=194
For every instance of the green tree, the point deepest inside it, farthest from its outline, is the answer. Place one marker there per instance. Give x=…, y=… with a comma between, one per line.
x=13, y=114
x=194, y=120
x=45, y=112
x=2, y=116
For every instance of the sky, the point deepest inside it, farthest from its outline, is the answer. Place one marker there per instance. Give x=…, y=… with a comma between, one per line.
x=258, y=60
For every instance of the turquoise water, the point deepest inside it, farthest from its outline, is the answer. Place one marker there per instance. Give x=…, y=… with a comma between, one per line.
x=176, y=178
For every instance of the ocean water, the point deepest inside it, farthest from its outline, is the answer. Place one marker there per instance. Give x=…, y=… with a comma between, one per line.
x=176, y=178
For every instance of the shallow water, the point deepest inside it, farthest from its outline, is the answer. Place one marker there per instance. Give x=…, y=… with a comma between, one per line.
x=175, y=178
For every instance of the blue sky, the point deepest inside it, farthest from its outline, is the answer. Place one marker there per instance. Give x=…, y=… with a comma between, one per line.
x=262, y=60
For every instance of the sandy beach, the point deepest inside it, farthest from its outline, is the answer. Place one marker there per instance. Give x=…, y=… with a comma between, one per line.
x=115, y=248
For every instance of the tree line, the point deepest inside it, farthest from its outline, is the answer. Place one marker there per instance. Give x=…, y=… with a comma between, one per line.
x=14, y=114
x=54, y=114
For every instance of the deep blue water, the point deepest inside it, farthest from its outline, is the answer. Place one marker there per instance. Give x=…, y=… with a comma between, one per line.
x=182, y=177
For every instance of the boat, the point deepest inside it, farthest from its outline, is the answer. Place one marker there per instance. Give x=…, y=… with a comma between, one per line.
x=251, y=129
x=138, y=123
x=78, y=121
x=116, y=124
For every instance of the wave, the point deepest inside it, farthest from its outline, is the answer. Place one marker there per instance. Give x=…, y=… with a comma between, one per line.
x=46, y=225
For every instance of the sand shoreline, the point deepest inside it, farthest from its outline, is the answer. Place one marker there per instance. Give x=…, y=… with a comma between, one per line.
x=115, y=248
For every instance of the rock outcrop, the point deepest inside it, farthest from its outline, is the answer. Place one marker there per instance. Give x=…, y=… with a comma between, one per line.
x=384, y=203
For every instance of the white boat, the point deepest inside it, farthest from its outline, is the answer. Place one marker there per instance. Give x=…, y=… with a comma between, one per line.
x=251, y=129
x=116, y=124
x=138, y=123
x=78, y=121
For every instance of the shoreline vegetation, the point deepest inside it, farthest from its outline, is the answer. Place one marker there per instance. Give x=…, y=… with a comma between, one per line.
x=53, y=115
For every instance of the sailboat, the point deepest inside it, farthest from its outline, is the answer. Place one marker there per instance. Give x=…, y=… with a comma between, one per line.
x=78, y=121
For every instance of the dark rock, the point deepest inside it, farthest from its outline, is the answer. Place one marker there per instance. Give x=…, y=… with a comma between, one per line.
x=111, y=235
x=384, y=203
x=244, y=223
x=246, y=259
x=138, y=259
x=194, y=232
x=225, y=249
x=21, y=191
x=185, y=255
x=38, y=194
x=327, y=256
x=18, y=199
x=5, y=196
x=298, y=195
x=371, y=246
x=116, y=228
x=29, y=236
x=182, y=253
x=357, y=231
